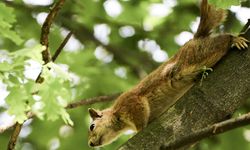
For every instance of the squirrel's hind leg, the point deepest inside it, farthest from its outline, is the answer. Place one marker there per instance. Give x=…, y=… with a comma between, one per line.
x=240, y=42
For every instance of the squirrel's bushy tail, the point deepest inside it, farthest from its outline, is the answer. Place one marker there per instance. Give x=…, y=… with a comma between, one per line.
x=210, y=19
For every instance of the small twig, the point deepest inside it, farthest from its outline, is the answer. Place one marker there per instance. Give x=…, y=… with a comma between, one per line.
x=92, y=100
x=14, y=136
x=44, y=40
x=58, y=51
x=245, y=27
x=208, y=131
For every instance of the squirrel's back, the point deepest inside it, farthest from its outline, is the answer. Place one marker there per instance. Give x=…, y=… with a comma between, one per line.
x=172, y=79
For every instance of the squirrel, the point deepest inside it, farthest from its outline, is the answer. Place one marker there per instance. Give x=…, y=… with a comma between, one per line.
x=136, y=108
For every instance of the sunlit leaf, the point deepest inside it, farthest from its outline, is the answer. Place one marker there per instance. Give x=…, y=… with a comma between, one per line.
x=12, y=35
x=7, y=13
x=7, y=18
x=5, y=66
x=32, y=52
x=17, y=101
x=66, y=117
x=225, y=3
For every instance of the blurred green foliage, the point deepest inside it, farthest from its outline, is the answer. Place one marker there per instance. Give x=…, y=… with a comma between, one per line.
x=87, y=74
x=7, y=18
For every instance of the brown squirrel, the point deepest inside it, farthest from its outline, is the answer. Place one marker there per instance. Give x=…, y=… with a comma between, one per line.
x=136, y=108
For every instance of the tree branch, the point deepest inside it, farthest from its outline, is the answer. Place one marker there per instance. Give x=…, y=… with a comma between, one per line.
x=58, y=51
x=224, y=91
x=44, y=39
x=209, y=131
x=244, y=29
x=14, y=136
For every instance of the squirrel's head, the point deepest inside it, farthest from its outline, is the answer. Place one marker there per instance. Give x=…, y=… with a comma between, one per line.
x=105, y=127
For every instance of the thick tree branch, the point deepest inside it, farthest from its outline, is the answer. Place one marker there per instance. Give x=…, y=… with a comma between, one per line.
x=224, y=91
x=209, y=131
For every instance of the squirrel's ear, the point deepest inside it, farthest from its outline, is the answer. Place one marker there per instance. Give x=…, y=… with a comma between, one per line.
x=93, y=113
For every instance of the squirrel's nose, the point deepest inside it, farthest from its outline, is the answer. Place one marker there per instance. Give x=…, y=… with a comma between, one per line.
x=91, y=144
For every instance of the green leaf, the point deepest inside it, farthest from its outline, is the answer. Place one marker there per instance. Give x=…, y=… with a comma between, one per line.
x=20, y=98
x=7, y=18
x=7, y=13
x=59, y=72
x=51, y=108
x=66, y=117
x=225, y=3
x=18, y=60
x=32, y=53
x=12, y=35
x=17, y=102
x=6, y=66
x=55, y=96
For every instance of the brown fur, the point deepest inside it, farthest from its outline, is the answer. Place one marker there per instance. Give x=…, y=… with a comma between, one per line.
x=164, y=86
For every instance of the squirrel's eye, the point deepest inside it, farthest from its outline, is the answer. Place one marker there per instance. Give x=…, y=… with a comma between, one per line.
x=92, y=127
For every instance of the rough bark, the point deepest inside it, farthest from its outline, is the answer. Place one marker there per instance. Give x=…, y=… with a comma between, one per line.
x=214, y=129
x=220, y=95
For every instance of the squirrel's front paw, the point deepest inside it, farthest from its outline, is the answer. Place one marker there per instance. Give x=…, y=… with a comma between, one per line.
x=240, y=42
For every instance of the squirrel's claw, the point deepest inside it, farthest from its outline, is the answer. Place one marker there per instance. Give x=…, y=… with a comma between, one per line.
x=204, y=73
x=240, y=42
